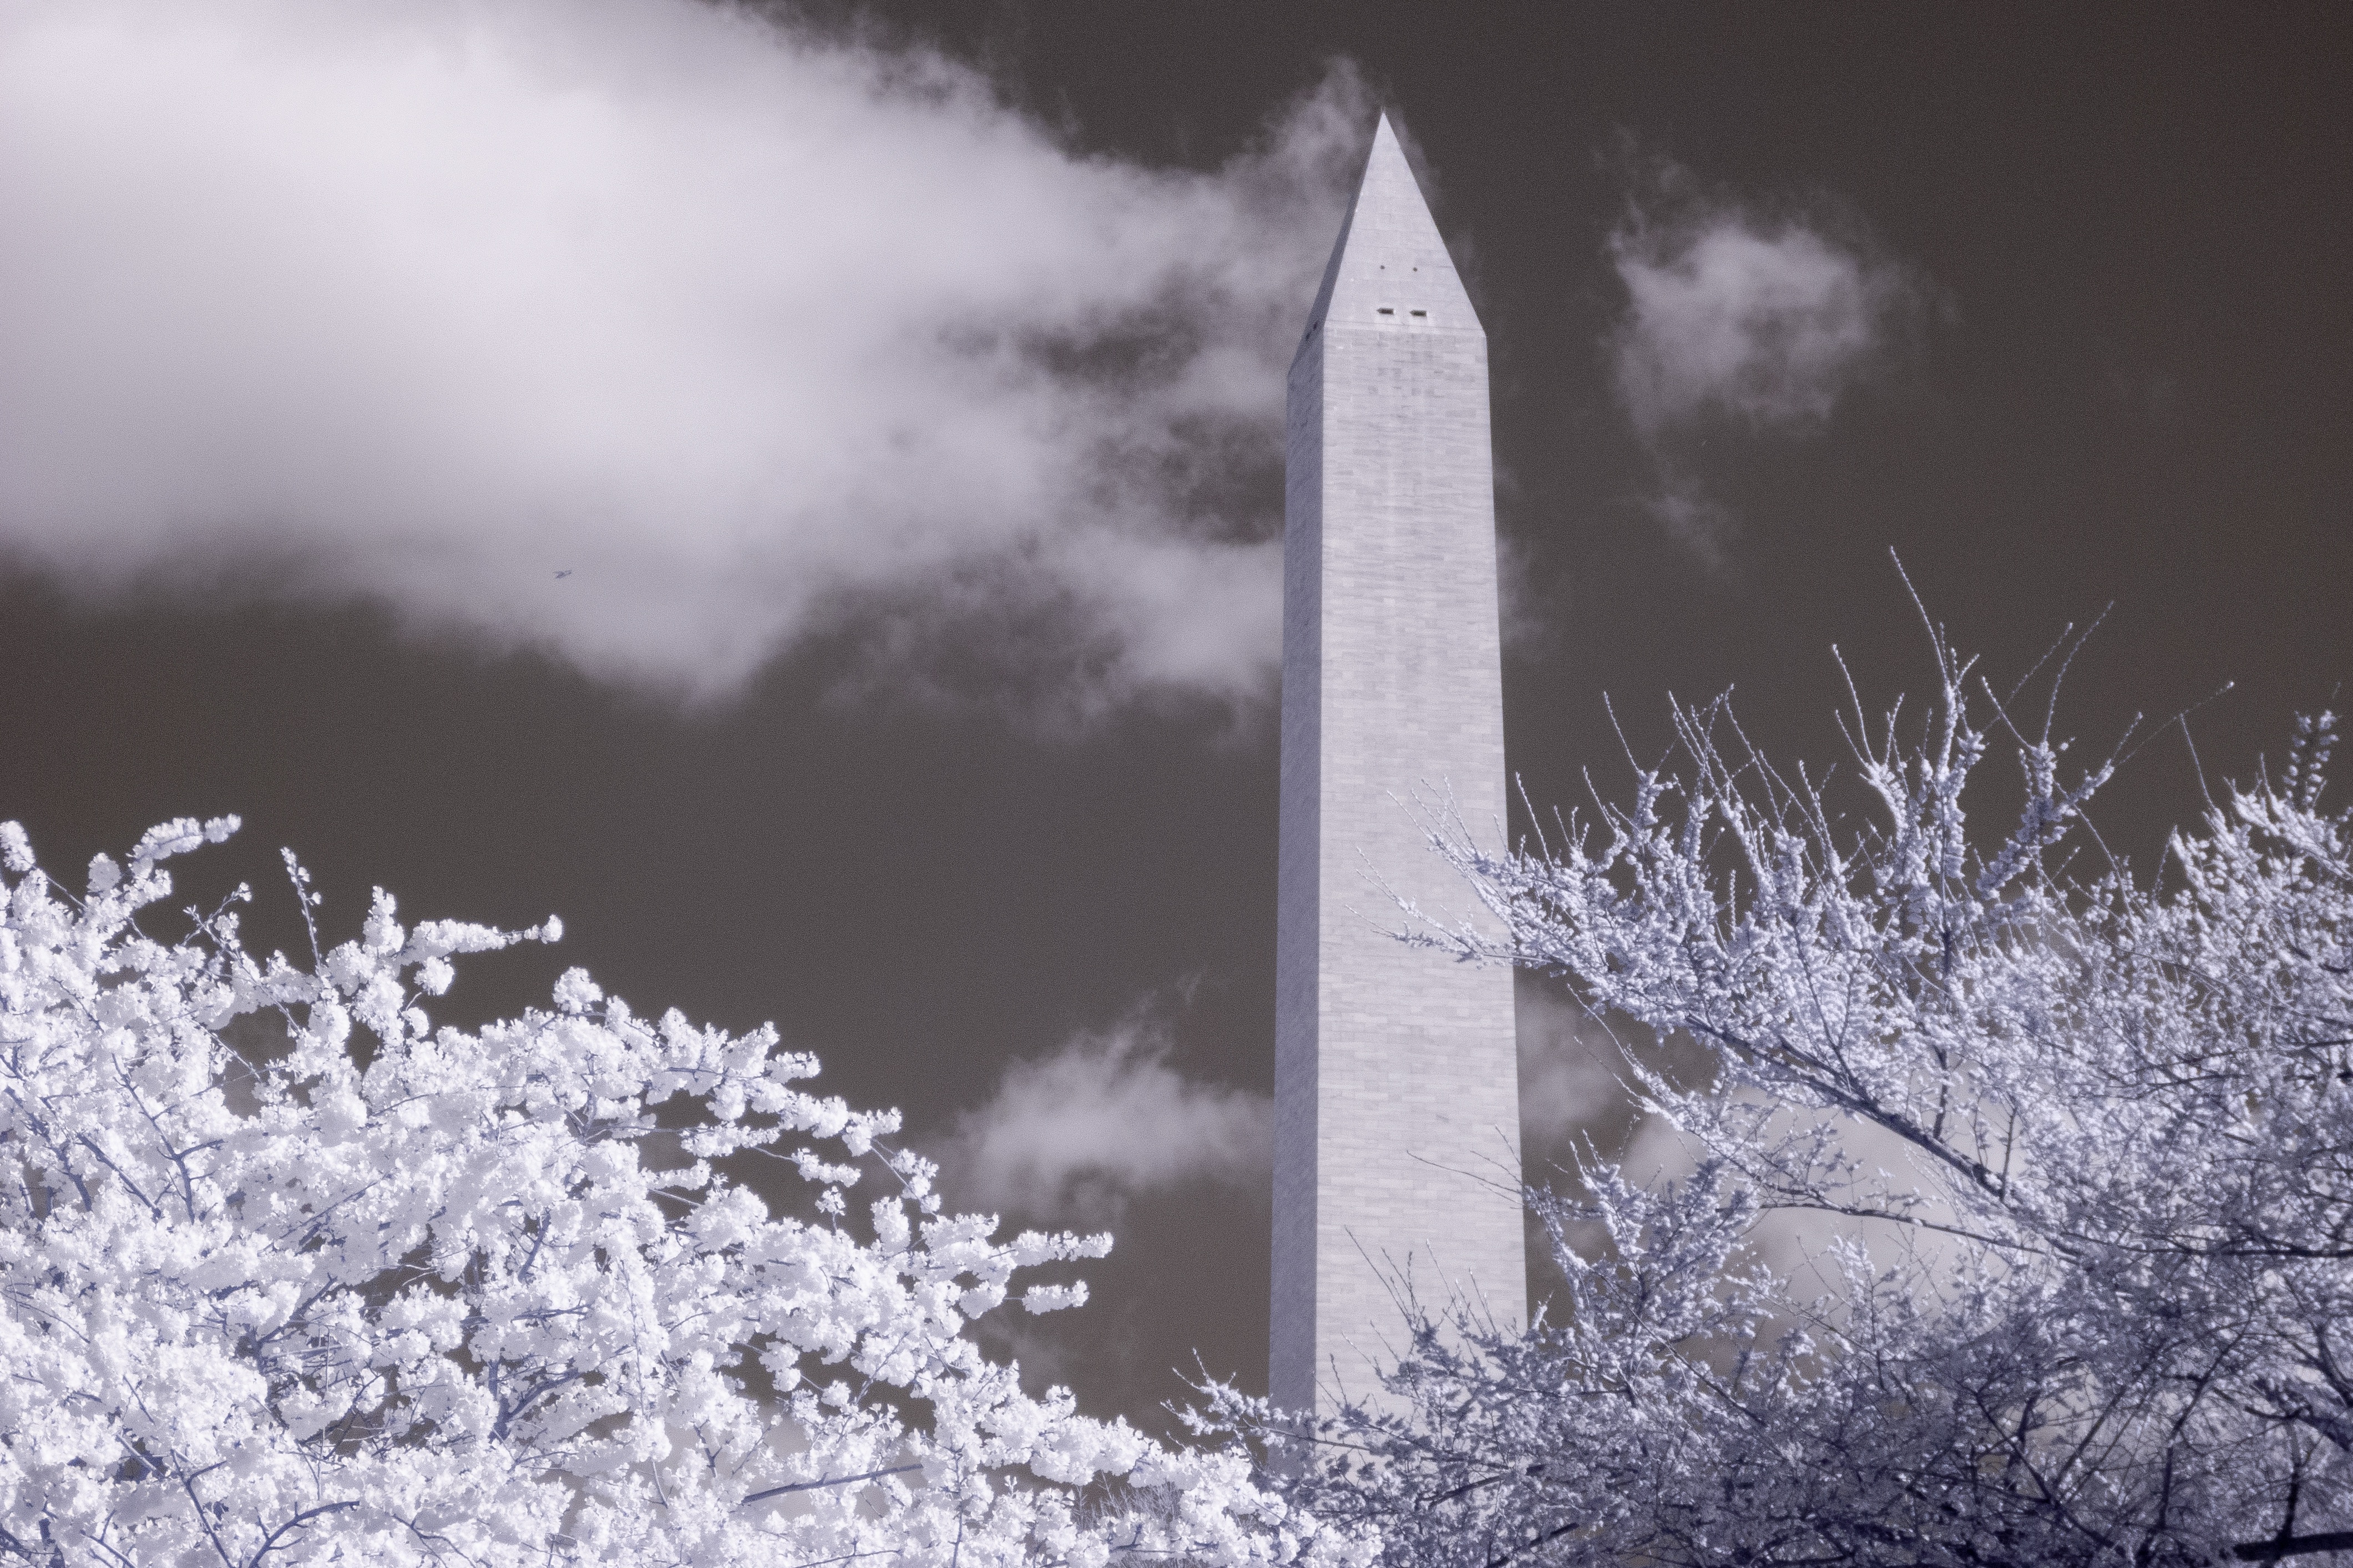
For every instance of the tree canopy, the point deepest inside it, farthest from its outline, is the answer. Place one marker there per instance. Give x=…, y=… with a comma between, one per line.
x=2086, y=1139
x=363, y=1288
x=291, y=1273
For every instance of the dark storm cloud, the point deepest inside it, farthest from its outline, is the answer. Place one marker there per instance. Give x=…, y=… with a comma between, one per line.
x=1742, y=324
x=644, y=332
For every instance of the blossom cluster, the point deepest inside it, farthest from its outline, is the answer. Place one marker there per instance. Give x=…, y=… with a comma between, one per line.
x=2082, y=1141
x=290, y=1274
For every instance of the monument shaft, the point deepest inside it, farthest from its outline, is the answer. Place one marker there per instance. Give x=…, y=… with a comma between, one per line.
x=1396, y=1123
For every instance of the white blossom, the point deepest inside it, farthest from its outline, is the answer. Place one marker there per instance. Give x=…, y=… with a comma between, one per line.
x=2100, y=1311
x=388, y=1292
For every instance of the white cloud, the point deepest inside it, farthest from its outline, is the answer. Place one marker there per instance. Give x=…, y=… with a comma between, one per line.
x=1070, y=1137
x=1795, y=1243
x=1574, y=1100
x=426, y=301
x=1736, y=319
x=1569, y=1079
x=1768, y=326
x=1692, y=517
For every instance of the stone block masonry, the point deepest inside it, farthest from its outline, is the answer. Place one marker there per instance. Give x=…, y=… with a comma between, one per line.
x=1396, y=1120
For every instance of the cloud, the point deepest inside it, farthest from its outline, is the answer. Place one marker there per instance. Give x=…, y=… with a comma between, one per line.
x=1769, y=327
x=1741, y=321
x=1575, y=1103
x=1795, y=1243
x=761, y=336
x=1693, y=518
x=1570, y=1088
x=1070, y=1137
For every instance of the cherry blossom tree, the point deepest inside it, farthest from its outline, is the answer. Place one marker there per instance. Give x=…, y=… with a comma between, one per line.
x=2084, y=1138
x=359, y=1288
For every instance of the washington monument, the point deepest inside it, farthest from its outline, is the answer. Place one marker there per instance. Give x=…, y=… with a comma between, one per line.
x=1396, y=1098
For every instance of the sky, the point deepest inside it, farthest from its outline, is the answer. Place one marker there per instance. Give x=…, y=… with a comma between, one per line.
x=795, y=490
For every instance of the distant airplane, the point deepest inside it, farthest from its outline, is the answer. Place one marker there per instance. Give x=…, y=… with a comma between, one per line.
x=566, y=573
